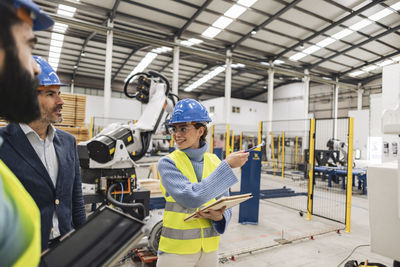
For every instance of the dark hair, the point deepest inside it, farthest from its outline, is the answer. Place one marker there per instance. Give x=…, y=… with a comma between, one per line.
x=203, y=137
x=18, y=98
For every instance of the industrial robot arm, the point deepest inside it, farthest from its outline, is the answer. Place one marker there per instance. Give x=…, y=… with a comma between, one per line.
x=119, y=146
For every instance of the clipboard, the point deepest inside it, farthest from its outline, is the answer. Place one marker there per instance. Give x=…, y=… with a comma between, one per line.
x=229, y=202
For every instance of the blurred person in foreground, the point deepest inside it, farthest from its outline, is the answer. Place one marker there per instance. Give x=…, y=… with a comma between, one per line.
x=19, y=215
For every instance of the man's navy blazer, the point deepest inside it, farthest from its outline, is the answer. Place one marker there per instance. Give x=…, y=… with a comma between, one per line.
x=19, y=155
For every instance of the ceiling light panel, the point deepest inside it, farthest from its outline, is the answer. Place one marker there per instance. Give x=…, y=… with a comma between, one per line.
x=311, y=49
x=342, y=34
x=211, y=32
x=356, y=73
x=247, y=3
x=235, y=11
x=359, y=25
x=297, y=56
x=385, y=63
x=325, y=42
x=222, y=22
x=204, y=79
x=370, y=68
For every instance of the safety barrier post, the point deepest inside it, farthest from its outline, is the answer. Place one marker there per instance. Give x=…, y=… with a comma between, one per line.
x=259, y=135
x=240, y=141
x=279, y=150
x=273, y=152
x=283, y=155
x=349, y=174
x=295, y=154
x=91, y=127
x=171, y=145
x=311, y=168
x=227, y=142
x=250, y=183
x=232, y=141
x=212, y=139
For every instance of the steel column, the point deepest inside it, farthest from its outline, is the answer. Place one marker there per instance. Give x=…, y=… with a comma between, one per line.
x=108, y=70
x=175, y=77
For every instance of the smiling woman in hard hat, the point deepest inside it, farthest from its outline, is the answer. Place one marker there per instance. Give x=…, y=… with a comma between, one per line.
x=190, y=178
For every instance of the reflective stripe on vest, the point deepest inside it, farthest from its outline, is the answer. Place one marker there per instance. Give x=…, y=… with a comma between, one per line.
x=190, y=237
x=188, y=234
x=175, y=207
x=28, y=214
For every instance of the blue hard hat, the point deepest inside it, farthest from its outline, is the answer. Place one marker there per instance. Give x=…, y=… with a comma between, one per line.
x=189, y=110
x=41, y=20
x=48, y=76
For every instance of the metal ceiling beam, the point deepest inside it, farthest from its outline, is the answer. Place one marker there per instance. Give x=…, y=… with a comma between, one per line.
x=193, y=18
x=114, y=10
x=370, y=62
x=237, y=73
x=207, y=54
x=265, y=23
x=356, y=46
x=111, y=16
x=370, y=78
x=344, y=26
x=81, y=53
x=354, y=13
x=241, y=89
x=209, y=66
x=126, y=60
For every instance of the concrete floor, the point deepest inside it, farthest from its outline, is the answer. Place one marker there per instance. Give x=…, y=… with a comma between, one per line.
x=256, y=245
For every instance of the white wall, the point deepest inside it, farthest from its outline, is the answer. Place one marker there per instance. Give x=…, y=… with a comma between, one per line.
x=126, y=109
x=251, y=113
x=361, y=131
x=376, y=126
x=289, y=102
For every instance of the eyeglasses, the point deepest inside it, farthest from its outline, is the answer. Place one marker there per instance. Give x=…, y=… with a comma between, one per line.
x=184, y=129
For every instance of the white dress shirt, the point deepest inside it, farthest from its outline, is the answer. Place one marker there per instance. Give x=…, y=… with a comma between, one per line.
x=47, y=154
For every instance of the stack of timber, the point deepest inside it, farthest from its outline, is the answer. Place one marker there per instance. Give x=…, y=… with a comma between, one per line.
x=151, y=184
x=74, y=109
x=80, y=133
x=73, y=113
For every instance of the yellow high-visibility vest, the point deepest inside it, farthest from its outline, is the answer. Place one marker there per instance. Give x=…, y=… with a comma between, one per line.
x=178, y=236
x=29, y=216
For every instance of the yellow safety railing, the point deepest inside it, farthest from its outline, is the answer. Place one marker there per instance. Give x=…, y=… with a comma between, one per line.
x=232, y=141
x=349, y=175
x=227, y=138
x=311, y=170
x=259, y=134
x=279, y=150
x=283, y=155
x=241, y=141
x=273, y=152
x=91, y=128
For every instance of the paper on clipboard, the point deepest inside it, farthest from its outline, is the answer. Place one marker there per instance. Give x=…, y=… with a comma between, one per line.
x=229, y=202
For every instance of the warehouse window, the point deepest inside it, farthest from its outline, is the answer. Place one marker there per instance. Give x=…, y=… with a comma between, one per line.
x=212, y=108
x=235, y=109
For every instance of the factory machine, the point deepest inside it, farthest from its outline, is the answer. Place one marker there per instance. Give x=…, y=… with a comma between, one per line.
x=109, y=159
x=384, y=178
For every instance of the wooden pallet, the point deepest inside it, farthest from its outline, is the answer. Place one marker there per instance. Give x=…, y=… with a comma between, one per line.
x=80, y=133
x=145, y=255
x=151, y=184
